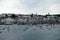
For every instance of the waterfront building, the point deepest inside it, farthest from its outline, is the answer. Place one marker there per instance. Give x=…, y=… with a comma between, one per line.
x=9, y=20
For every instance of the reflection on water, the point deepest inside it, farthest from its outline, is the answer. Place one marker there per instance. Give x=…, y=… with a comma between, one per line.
x=1, y=38
x=26, y=32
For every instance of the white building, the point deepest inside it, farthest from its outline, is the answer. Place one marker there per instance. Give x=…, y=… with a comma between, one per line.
x=9, y=20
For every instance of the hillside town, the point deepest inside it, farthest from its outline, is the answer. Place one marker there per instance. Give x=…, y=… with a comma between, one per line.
x=19, y=19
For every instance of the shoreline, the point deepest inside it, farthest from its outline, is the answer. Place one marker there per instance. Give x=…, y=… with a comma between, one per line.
x=29, y=24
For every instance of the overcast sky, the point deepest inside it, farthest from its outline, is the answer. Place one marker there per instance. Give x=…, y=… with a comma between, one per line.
x=30, y=6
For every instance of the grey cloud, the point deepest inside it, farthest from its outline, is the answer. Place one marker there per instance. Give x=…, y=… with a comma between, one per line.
x=36, y=3
x=29, y=6
x=32, y=3
x=57, y=1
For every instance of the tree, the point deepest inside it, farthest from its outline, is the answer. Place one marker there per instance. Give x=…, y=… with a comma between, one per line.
x=32, y=15
x=13, y=16
x=6, y=15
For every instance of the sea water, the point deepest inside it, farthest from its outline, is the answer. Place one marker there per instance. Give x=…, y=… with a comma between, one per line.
x=30, y=32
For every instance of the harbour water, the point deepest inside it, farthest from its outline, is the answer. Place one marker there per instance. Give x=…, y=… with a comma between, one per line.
x=30, y=32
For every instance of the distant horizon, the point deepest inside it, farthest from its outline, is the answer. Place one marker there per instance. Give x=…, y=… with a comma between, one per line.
x=31, y=13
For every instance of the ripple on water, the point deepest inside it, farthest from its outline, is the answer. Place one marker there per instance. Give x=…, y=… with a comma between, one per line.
x=1, y=38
